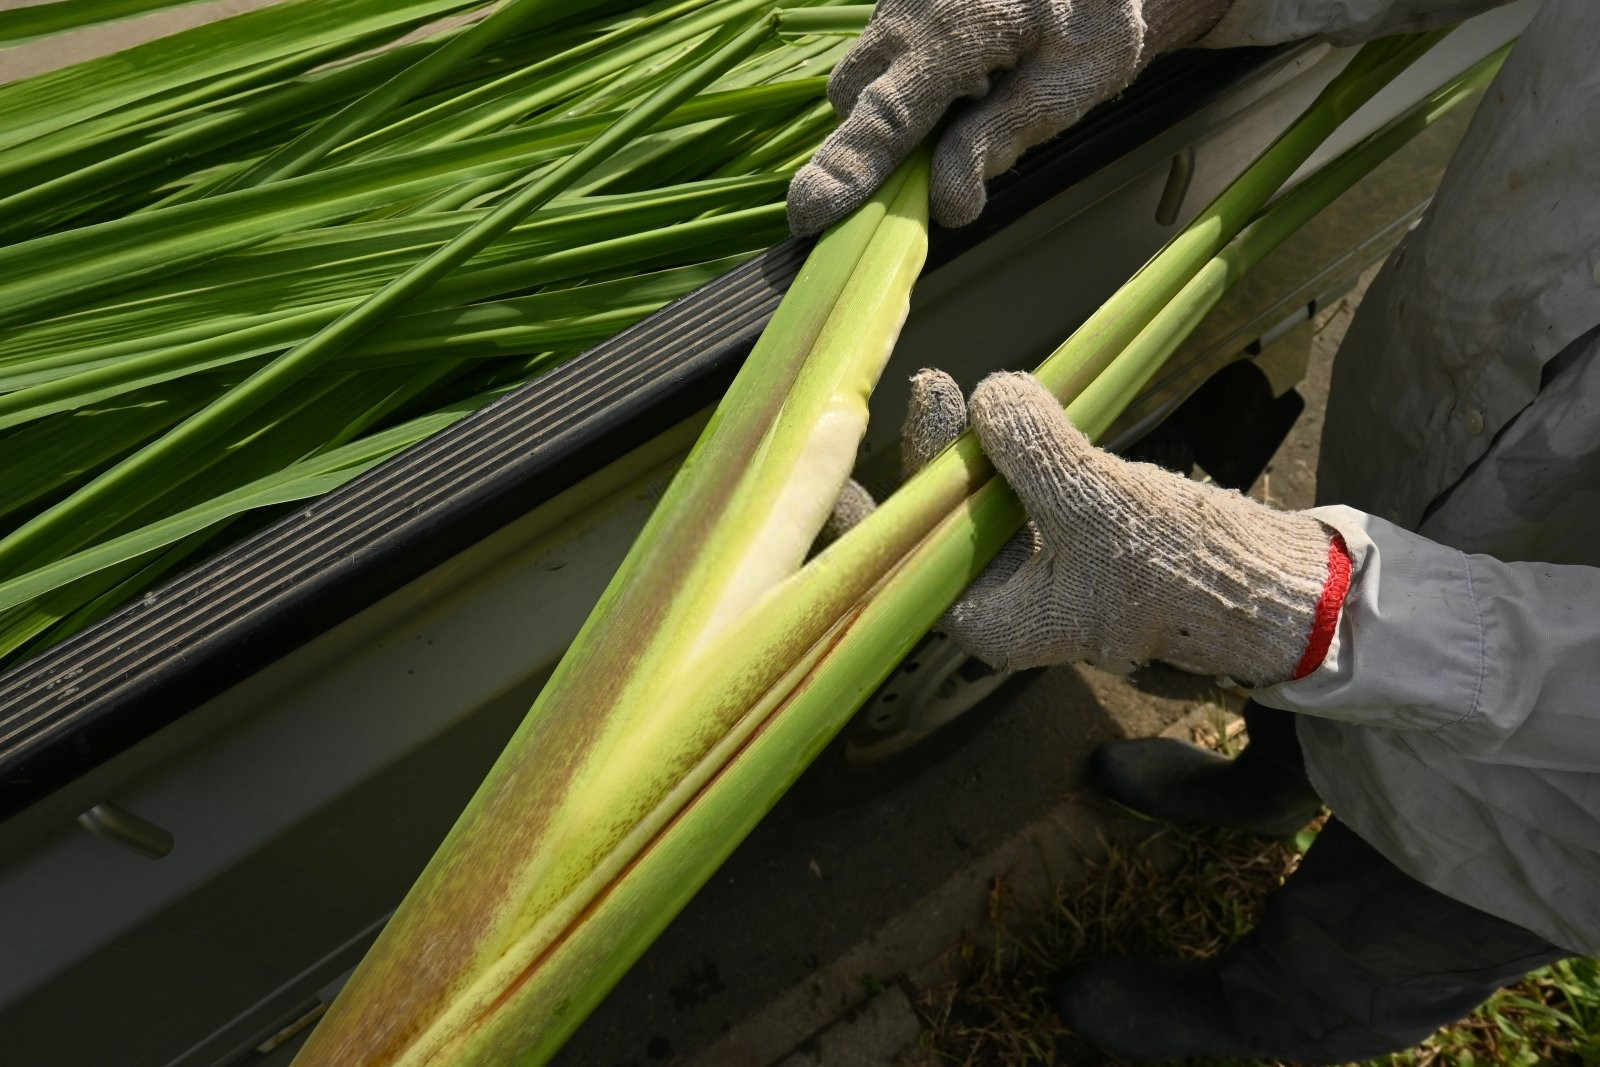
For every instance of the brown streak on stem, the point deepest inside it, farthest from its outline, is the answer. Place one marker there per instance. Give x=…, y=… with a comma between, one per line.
x=605, y=892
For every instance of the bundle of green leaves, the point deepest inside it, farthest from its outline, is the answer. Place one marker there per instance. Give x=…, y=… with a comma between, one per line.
x=241, y=264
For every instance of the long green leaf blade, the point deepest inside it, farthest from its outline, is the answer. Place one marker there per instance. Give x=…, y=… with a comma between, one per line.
x=41, y=20
x=56, y=100
x=67, y=269
x=305, y=151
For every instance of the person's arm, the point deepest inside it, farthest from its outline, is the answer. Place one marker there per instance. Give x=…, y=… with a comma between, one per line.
x=1328, y=612
x=1263, y=22
x=1495, y=659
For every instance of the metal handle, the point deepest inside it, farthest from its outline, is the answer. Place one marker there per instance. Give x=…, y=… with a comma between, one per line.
x=112, y=823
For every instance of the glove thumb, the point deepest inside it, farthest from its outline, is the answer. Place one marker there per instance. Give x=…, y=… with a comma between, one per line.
x=936, y=414
x=853, y=505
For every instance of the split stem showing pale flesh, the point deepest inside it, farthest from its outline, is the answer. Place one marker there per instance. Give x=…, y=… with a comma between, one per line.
x=607, y=753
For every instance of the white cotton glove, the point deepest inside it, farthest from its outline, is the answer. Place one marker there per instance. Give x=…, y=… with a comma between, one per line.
x=1122, y=562
x=1033, y=68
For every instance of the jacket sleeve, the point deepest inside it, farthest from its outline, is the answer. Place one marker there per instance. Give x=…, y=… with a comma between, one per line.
x=1262, y=22
x=1500, y=661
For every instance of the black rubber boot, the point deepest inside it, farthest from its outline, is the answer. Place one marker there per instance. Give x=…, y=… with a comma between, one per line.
x=1149, y=1010
x=1264, y=791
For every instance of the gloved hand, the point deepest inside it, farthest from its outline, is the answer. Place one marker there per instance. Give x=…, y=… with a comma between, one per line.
x=1124, y=562
x=1050, y=62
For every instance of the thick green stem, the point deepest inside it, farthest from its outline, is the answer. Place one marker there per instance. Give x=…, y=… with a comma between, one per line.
x=845, y=19
x=581, y=786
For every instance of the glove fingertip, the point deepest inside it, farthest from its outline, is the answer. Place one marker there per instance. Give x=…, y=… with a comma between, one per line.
x=1027, y=436
x=1008, y=401
x=818, y=197
x=853, y=505
x=935, y=392
x=936, y=415
x=1000, y=393
x=955, y=195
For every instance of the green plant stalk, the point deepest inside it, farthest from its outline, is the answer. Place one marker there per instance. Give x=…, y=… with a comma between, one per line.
x=30, y=210
x=554, y=822
x=340, y=262
x=75, y=521
x=845, y=19
x=360, y=116
x=204, y=63
x=524, y=92
x=120, y=368
x=721, y=799
x=60, y=271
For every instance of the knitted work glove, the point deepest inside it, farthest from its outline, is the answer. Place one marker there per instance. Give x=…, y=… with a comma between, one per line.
x=1034, y=67
x=1125, y=562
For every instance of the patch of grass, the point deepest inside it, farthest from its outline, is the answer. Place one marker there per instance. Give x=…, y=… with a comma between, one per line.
x=1550, y=1017
x=1188, y=895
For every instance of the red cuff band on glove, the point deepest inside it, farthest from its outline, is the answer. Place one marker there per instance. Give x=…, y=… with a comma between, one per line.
x=1328, y=605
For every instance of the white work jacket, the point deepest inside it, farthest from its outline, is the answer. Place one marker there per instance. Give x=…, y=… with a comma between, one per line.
x=1455, y=724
